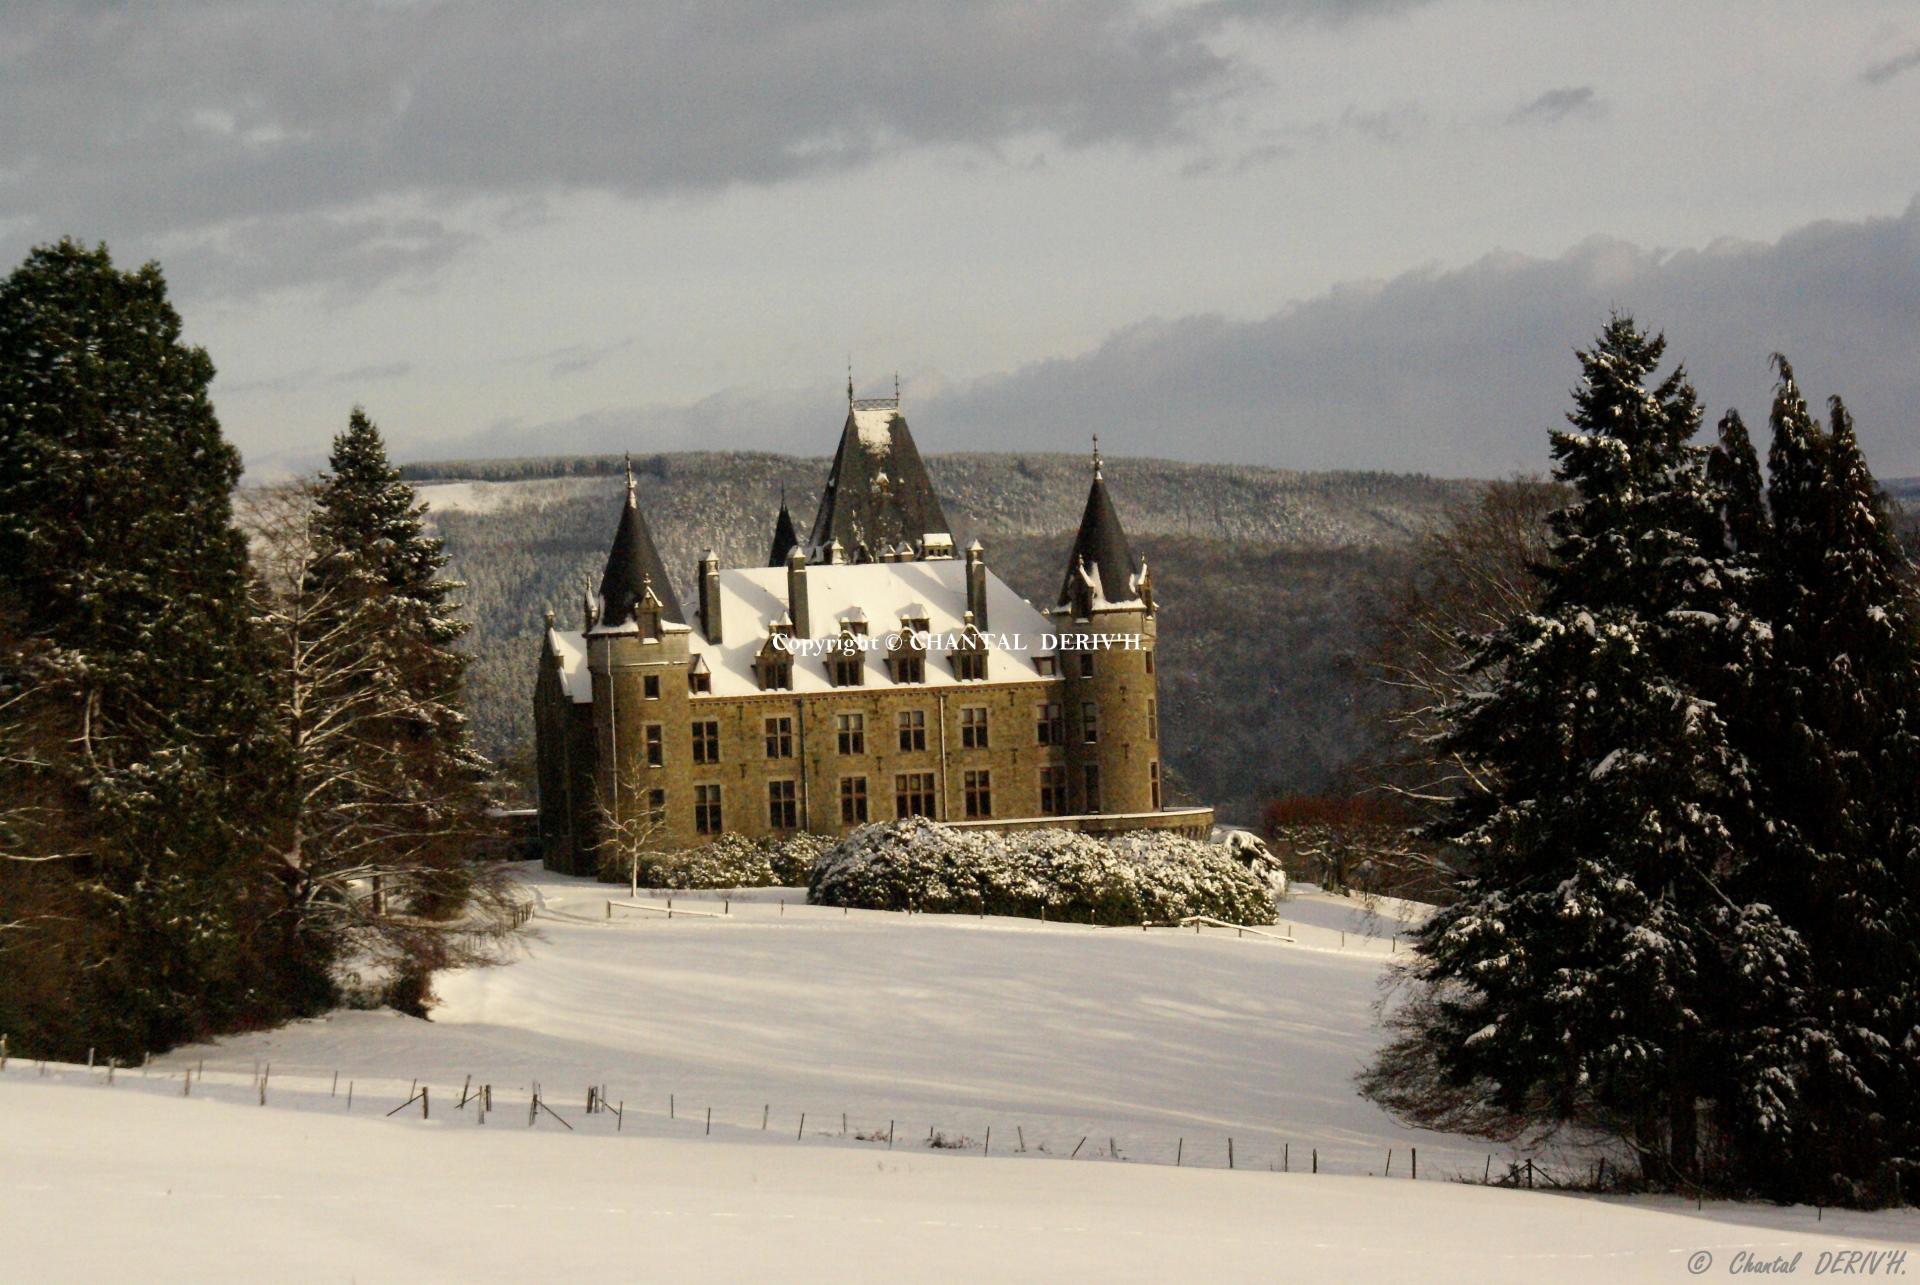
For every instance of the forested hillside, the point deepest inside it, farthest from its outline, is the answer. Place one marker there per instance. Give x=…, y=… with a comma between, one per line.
x=1264, y=577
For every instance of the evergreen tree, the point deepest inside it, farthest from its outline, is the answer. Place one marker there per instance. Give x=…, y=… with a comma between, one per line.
x=1838, y=741
x=125, y=594
x=1580, y=974
x=408, y=805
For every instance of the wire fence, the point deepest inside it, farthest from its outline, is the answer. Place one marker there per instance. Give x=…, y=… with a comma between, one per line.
x=604, y=1110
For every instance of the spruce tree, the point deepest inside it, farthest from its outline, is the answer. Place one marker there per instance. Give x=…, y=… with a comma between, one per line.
x=410, y=806
x=1838, y=741
x=1580, y=973
x=124, y=585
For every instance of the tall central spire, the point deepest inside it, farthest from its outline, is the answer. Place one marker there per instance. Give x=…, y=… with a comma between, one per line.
x=878, y=493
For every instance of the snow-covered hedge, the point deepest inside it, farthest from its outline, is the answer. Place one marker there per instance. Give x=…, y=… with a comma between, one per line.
x=1147, y=875
x=793, y=856
x=730, y=861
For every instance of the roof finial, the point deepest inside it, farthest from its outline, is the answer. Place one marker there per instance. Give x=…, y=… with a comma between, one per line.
x=1096, y=457
x=631, y=502
x=849, y=381
x=896, y=387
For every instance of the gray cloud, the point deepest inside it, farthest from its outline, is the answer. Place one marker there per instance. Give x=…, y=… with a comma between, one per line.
x=1457, y=373
x=1463, y=372
x=253, y=113
x=1569, y=102
x=348, y=253
x=1886, y=69
x=1330, y=12
x=314, y=377
x=575, y=359
x=1393, y=124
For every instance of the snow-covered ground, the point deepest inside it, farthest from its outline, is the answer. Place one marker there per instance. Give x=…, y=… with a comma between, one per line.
x=1162, y=1046
x=491, y=497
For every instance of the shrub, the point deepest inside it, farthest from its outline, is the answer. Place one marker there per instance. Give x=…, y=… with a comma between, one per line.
x=1150, y=875
x=729, y=861
x=793, y=856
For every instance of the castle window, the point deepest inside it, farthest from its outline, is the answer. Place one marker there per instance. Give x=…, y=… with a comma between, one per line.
x=783, y=808
x=908, y=667
x=973, y=727
x=656, y=745
x=780, y=738
x=700, y=682
x=1153, y=782
x=1090, y=786
x=1046, y=666
x=706, y=809
x=913, y=730
x=1090, y=722
x=651, y=686
x=851, y=730
x=853, y=800
x=979, y=794
x=706, y=742
x=1053, y=790
x=656, y=805
x=776, y=674
x=1153, y=716
x=846, y=671
x=1149, y=660
x=970, y=666
x=913, y=794
x=1086, y=664
x=1050, y=724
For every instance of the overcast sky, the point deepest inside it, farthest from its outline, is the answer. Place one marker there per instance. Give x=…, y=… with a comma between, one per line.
x=1309, y=233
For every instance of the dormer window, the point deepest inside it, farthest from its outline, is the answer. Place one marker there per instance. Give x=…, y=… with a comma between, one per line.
x=776, y=673
x=845, y=670
x=908, y=666
x=970, y=666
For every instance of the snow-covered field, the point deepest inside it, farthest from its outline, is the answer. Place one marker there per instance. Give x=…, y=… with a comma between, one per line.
x=491, y=497
x=1161, y=1046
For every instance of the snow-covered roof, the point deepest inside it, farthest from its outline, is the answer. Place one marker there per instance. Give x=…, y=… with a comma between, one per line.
x=571, y=648
x=875, y=427
x=754, y=598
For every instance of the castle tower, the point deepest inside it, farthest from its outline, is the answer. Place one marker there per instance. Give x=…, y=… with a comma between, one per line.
x=1106, y=618
x=637, y=657
x=878, y=492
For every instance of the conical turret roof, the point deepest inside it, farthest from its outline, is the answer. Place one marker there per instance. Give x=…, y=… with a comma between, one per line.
x=633, y=567
x=1100, y=548
x=784, y=536
x=878, y=491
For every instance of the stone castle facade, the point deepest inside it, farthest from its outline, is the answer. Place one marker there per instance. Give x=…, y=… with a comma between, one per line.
x=871, y=673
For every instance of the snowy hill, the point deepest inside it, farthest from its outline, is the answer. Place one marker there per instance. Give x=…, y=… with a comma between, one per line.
x=1160, y=1046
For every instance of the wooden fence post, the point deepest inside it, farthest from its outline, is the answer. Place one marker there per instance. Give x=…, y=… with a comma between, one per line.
x=1229, y=1153
x=1179, y=1149
x=801, y=1136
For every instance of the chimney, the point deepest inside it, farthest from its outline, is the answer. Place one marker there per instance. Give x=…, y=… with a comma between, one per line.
x=710, y=597
x=977, y=583
x=797, y=594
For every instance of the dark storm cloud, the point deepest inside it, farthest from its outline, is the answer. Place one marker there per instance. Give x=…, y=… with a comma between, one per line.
x=160, y=118
x=1573, y=101
x=1463, y=372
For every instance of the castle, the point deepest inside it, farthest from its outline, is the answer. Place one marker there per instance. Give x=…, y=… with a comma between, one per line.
x=869, y=673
